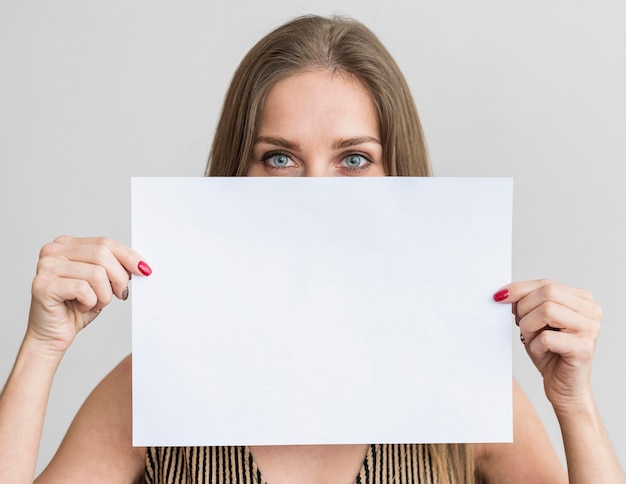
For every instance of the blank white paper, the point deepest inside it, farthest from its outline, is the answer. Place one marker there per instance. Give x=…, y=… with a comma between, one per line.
x=321, y=311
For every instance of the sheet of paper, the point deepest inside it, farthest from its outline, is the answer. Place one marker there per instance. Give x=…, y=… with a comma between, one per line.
x=321, y=310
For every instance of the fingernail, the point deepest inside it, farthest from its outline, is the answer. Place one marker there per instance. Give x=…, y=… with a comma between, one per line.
x=125, y=294
x=501, y=295
x=144, y=268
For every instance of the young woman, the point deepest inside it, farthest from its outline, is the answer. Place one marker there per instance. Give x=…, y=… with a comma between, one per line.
x=316, y=97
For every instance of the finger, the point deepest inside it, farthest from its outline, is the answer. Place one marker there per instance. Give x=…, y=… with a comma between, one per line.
x=515, y=291
x=59, y=290
x=95, y=275
x=567, y=345
x=99, y=252
x=95, y=263
x=130, y=259
x=562, y=295
x=551, y=315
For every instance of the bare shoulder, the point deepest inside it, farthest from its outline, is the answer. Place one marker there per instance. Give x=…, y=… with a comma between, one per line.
x=530, y=458
x=98, y=445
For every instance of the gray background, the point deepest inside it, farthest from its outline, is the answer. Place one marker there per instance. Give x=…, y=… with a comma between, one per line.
x=92, y=93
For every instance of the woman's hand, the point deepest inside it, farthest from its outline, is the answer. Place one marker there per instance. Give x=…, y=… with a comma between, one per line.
x=76, y=278
x=559, y=326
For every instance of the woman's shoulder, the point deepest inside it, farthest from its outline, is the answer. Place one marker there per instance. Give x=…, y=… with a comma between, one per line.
x=98, y=443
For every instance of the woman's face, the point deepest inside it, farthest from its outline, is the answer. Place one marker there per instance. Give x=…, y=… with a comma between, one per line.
x=316, y=123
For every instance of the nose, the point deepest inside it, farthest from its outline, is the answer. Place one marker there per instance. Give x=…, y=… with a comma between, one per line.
x=317, y=167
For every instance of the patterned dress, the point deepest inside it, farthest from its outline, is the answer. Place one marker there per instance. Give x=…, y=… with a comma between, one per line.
x=383, y=464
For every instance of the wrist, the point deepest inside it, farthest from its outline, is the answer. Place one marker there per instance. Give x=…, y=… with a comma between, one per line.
x=38, y=352
x=581, y=407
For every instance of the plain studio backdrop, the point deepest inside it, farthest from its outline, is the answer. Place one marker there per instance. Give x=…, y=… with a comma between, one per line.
x=92, y=93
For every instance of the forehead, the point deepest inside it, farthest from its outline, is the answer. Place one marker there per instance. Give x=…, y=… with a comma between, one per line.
x=309, y=99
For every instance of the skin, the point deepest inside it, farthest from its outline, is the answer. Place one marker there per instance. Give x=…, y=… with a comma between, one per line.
x=331, y=131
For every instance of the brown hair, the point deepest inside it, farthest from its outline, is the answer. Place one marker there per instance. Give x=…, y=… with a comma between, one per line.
x=342, y=45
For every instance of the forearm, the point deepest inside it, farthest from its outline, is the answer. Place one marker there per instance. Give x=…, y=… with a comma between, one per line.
x=589, y=453
x=23, y=403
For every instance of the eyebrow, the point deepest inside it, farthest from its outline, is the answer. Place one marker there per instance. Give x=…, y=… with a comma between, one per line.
x=346, y=143
x=338, y=144
x=272, y=140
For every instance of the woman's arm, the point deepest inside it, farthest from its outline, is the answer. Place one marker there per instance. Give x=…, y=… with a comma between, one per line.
x=559, y=327
x=98, y=445
x=590, y=456
x=75, y=279
x=22, y=409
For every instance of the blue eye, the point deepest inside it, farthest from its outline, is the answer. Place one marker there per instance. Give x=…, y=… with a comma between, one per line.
x=354, y=161
x=279, y=160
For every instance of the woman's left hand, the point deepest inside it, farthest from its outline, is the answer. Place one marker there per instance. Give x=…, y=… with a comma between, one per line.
x=559, y=326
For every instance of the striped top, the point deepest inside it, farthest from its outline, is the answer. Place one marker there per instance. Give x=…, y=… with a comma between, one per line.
x=383, y=464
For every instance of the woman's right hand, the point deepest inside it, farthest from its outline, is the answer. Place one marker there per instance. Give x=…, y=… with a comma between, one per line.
x=76, y=278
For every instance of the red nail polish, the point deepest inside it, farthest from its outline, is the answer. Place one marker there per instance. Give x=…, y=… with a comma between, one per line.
x=501, y=295
x=144, y=268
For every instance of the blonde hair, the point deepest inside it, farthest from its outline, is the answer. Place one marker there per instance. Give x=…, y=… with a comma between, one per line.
x=341, y=45
x=452, y=463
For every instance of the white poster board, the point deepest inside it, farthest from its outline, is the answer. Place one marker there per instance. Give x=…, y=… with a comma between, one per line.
x=321, y=310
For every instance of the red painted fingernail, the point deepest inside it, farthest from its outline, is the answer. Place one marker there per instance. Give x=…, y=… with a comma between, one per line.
x=144, y=268
x=501, y=295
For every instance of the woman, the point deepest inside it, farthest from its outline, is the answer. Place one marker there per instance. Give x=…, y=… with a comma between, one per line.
x=316, y=97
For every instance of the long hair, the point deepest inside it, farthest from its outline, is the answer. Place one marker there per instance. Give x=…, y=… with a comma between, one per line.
x=341, y=45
